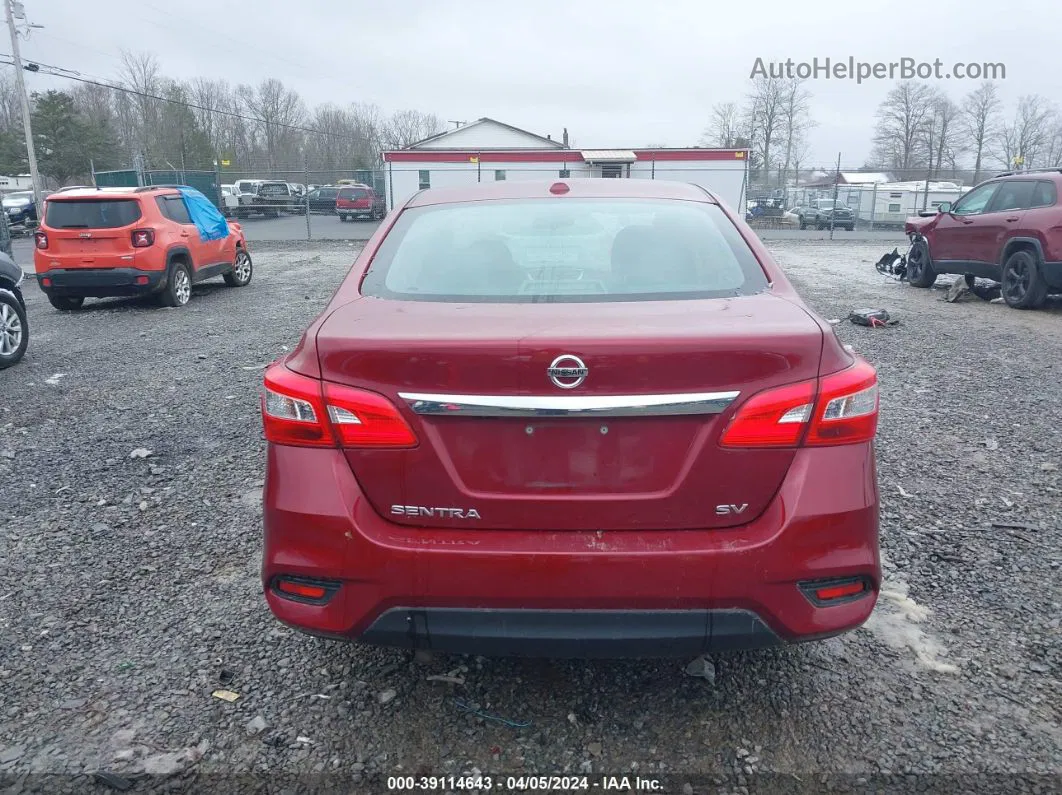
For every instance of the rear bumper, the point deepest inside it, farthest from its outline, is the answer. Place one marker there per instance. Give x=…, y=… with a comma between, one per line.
x=570, y=633
x=629, y=593
x=100, y=282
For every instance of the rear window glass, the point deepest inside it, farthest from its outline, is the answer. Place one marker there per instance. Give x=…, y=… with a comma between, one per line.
x=92, y=213
x=273, y=190
x=353, y=193
x=575, y=250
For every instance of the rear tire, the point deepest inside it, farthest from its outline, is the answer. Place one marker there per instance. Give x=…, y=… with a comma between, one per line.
x=1023, y=282
x=343, y=219
x=178, y=290
x=920, y=271
x=803, y=223
x=66, y=303
x=242, y=270
x=14, y=330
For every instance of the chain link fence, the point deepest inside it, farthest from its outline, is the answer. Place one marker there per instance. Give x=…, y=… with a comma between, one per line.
x=300, y=203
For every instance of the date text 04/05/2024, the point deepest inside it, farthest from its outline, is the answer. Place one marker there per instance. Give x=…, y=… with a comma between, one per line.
x=485, y=783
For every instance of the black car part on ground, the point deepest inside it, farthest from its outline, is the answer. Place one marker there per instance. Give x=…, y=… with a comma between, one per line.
x=873, y=318
x=893, y=264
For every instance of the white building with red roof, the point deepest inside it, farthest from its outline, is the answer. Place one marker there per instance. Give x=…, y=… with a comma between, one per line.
x=487, y=151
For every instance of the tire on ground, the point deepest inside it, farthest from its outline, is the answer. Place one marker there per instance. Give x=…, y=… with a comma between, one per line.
x=178, y=289
x=240, y=276
x=14, y=329
x=66, y=303
x=920, y=271
x=1023, y=284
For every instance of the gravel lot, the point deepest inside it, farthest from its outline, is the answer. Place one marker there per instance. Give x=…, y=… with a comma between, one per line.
x=129, y=586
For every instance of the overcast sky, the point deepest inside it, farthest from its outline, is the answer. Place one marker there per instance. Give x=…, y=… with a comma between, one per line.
x=615, y=73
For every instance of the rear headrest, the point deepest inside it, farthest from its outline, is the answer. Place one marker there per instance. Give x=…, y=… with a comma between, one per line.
x=646, y=257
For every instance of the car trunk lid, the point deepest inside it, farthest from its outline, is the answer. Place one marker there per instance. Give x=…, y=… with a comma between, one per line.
x=633, y=446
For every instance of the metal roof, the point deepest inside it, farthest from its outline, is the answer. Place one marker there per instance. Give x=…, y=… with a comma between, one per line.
x=609, y=156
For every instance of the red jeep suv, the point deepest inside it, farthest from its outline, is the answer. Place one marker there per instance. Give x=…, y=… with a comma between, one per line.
x=587, y=418
x=359, y=201
x=1008, y=229
x=95, y=243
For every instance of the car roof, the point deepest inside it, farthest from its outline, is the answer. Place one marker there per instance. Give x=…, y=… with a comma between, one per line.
x=1053, y=174
x=595, y=188
x=118, y=193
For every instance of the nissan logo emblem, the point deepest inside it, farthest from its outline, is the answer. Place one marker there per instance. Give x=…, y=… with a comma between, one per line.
x=567, y=371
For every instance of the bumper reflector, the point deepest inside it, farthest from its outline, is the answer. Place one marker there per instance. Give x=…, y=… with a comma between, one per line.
x=141, y=279
x=304, y=589
x=830, y=592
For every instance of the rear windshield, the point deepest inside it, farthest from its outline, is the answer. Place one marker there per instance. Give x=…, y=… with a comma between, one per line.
x=353, y=193
x=573, y=250
x=275, y=189
x=91, y=213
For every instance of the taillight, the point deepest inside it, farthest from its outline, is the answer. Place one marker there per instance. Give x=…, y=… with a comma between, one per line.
x=305, y=412
x=142, y=238
x=41, y=240
x=845, y=411
x=366, y=419
x=775, y=418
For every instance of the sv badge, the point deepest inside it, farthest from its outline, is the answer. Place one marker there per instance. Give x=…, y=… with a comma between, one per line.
x=731, y=510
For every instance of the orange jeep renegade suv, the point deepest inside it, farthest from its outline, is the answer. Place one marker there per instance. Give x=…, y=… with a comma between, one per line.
x=95, y=243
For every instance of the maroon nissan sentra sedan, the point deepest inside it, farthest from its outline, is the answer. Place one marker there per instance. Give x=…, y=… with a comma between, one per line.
x=587, y=418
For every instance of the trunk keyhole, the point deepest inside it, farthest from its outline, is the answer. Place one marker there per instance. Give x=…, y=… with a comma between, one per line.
x=604, y=429
x=529, y=430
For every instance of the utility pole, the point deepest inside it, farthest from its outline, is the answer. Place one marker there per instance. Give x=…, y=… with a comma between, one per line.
x=31, y=153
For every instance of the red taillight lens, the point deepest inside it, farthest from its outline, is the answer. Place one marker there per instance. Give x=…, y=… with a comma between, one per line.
x=305, y=412
x=293, y=412
x=41, y=240
x=845, y=411
x=775, y=418
x=366, y=419
x=142, y=238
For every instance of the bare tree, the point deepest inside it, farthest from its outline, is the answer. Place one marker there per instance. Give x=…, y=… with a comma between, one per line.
x=899, y=135
x=723, y=128
x=1022, y=140
x=764, y=113
x=980, y=122
x=406, y=127
x=214, y=99
x=940, y=134
x=796, y=120
x=1053, y=154
x=278, y=110
x=140, y=114
x=10, y=104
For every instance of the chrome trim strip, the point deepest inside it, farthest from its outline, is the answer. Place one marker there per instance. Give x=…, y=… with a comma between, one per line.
x=569, y=405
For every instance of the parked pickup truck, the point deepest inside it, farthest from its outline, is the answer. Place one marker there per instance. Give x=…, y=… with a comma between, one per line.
x=269, y=198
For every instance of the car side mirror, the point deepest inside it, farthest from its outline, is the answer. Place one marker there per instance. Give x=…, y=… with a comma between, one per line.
x=944, y=207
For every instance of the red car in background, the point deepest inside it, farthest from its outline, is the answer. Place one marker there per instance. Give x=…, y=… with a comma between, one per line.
x=580, y=419
x=1008, y=229
x=359, y=201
